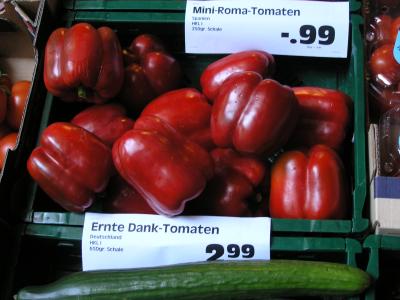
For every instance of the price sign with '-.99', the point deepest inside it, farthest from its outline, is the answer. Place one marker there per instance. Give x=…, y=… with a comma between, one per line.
x=285, y=27
x=117, y=241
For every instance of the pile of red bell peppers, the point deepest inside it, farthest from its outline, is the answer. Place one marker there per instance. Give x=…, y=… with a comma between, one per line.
x=245, y=145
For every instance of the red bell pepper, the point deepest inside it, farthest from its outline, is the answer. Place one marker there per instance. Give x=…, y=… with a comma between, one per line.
x=71, y=165
x=231, y=191
x=325, y=116
x=82, y=63
x=166, y=168
x=308, y=185
x=123, y=198
x=253, y=115
x=106, y=121
x=151, y=72
x=234, y=184
x=217, y=72
x=187, y=110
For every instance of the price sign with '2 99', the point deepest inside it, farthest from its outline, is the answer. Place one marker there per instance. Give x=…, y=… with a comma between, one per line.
x=284, y=27
x=116, y=241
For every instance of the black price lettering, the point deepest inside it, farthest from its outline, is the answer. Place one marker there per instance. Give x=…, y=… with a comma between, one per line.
x=248, y=251
x=328, y=33
x=308, y=32
x=234, y=251
x=217, y=249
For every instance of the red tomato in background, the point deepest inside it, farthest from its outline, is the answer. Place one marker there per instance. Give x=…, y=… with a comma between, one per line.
x=395, y=28
x=381, y=30
x=16, y=103
x=384, y=68
x=384, y=99
x=7, y=142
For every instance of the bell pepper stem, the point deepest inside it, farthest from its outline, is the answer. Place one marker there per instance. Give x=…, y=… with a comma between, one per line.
x=82, y=92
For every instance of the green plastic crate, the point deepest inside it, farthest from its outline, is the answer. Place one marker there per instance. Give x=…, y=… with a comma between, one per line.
x=383, y=266
x=168, y=5
x=343, y=74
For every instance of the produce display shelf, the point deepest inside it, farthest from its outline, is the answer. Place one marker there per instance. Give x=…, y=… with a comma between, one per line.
x=383, y=265
x=343, y=74
x=169, y=5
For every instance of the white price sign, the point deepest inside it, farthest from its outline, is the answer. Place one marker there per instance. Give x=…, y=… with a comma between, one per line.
x=119, y=241
x=284, y=27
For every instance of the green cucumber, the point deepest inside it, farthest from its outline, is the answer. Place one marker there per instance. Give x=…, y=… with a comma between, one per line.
x=208, y=280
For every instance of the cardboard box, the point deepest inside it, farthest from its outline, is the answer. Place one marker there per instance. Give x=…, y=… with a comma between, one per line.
x=384, y=192
x=21, y=53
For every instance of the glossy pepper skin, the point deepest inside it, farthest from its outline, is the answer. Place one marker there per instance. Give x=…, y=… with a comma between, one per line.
x=166, y=168
x=187, y=110
x=83, y=64
x=217, y=72
x=151, y=72
x=253, y=115
x=70, y=165
x=234, y=183
x=308, y=185
x=325, y=116
x=123, y=198
x=106, y=121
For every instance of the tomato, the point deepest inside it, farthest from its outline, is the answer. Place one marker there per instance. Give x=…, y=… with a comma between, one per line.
x=16, y=103
x=384, y=68
x=395, y=28
x=382, y=30
x=6, y=143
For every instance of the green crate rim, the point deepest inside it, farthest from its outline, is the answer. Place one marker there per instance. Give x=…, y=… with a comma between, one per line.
x=374, y=244
x=168, y=5
x=300, y=244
